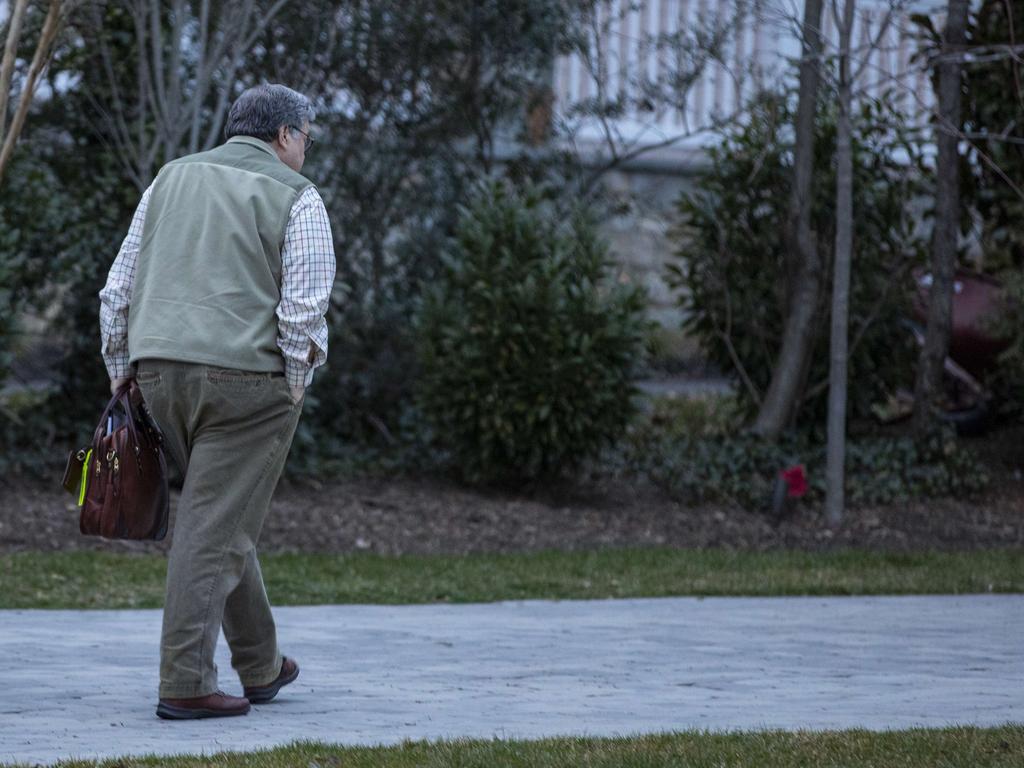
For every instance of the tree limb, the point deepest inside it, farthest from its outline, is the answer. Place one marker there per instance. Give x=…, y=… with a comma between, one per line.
x=41, y=59
x=8, y=61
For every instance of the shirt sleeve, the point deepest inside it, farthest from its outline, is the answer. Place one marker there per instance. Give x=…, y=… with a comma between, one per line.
x=116, y=295
x=307, y=276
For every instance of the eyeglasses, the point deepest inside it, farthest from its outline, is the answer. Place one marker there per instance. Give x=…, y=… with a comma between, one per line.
x=308, y=140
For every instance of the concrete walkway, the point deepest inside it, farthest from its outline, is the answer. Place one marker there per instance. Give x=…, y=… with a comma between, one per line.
x=83, y=683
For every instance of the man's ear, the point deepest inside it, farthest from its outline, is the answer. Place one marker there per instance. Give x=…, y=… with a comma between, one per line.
x=281, y=132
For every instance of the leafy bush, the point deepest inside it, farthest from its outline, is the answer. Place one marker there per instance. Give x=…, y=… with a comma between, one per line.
x=61, y=217
x=994, y=157
x=734, y=267
x=991, y=173
x=391, y=181
x=32, y=199
x=695, y=416
x=526, y=348
x=390, y=174
x=29, y=435
x=742, y=469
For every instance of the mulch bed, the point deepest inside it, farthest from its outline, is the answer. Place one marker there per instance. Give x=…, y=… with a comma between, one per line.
x=432, y=516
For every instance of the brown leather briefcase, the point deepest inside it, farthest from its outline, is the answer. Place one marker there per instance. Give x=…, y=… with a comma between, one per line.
x=122, y=480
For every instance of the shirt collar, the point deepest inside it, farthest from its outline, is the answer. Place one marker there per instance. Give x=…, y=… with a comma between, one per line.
x=253, y=142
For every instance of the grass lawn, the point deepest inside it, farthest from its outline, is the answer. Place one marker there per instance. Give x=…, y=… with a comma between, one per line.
x=104, y=580
x=945, y=748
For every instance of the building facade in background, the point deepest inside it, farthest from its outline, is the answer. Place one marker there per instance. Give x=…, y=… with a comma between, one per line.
x=629, y=57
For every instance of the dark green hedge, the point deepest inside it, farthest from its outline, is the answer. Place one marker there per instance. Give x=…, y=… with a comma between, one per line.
x=527, y=346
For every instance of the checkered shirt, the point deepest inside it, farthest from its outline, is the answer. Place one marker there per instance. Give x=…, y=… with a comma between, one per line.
x=307, y=274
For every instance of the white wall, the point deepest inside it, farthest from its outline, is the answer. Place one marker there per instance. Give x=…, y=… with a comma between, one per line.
x=767, y=34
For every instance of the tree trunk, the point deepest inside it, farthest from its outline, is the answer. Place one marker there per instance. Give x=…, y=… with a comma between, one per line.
x=947, y=219
x=835, y=475
x=779, y=406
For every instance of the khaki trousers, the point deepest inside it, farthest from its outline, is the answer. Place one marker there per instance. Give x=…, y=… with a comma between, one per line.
x=229, y=432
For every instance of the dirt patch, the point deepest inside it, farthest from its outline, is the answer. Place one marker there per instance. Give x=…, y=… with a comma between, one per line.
x=430, y=516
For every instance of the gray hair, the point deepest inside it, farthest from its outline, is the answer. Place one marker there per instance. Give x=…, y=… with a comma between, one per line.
x=261, y=110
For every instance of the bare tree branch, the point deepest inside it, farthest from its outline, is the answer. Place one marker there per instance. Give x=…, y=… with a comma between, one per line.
x=55, y=17
x=7, y=63
x=682, y=56
x=188, y=58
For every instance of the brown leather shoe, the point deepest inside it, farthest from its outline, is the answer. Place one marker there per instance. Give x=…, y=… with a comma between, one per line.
x=263, y=693
x=217, y=704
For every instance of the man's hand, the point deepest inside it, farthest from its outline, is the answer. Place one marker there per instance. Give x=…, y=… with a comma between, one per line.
x=116, y=384
x=297, y=393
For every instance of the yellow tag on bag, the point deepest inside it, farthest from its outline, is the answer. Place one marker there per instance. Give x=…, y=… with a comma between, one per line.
x=85, y=478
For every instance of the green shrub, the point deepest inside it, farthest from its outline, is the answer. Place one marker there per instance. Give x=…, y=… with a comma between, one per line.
x=992, y=205
x=995, y=154
x=31, y=194
x=734, y=268
x=390, y=182
x=695, y=416
x=526, y=347
x=741, y=469
x=56, y=244
x=29, y=435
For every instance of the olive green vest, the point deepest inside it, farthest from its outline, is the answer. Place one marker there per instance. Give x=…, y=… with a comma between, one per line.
x=208, y=278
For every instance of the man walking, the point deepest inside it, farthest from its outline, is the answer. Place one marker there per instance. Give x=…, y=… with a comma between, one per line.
x=215, y=304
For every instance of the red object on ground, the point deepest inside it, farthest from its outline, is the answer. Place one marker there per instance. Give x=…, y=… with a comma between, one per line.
x=796, y=481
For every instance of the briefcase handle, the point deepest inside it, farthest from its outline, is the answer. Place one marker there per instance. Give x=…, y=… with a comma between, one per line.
x=121, y=395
